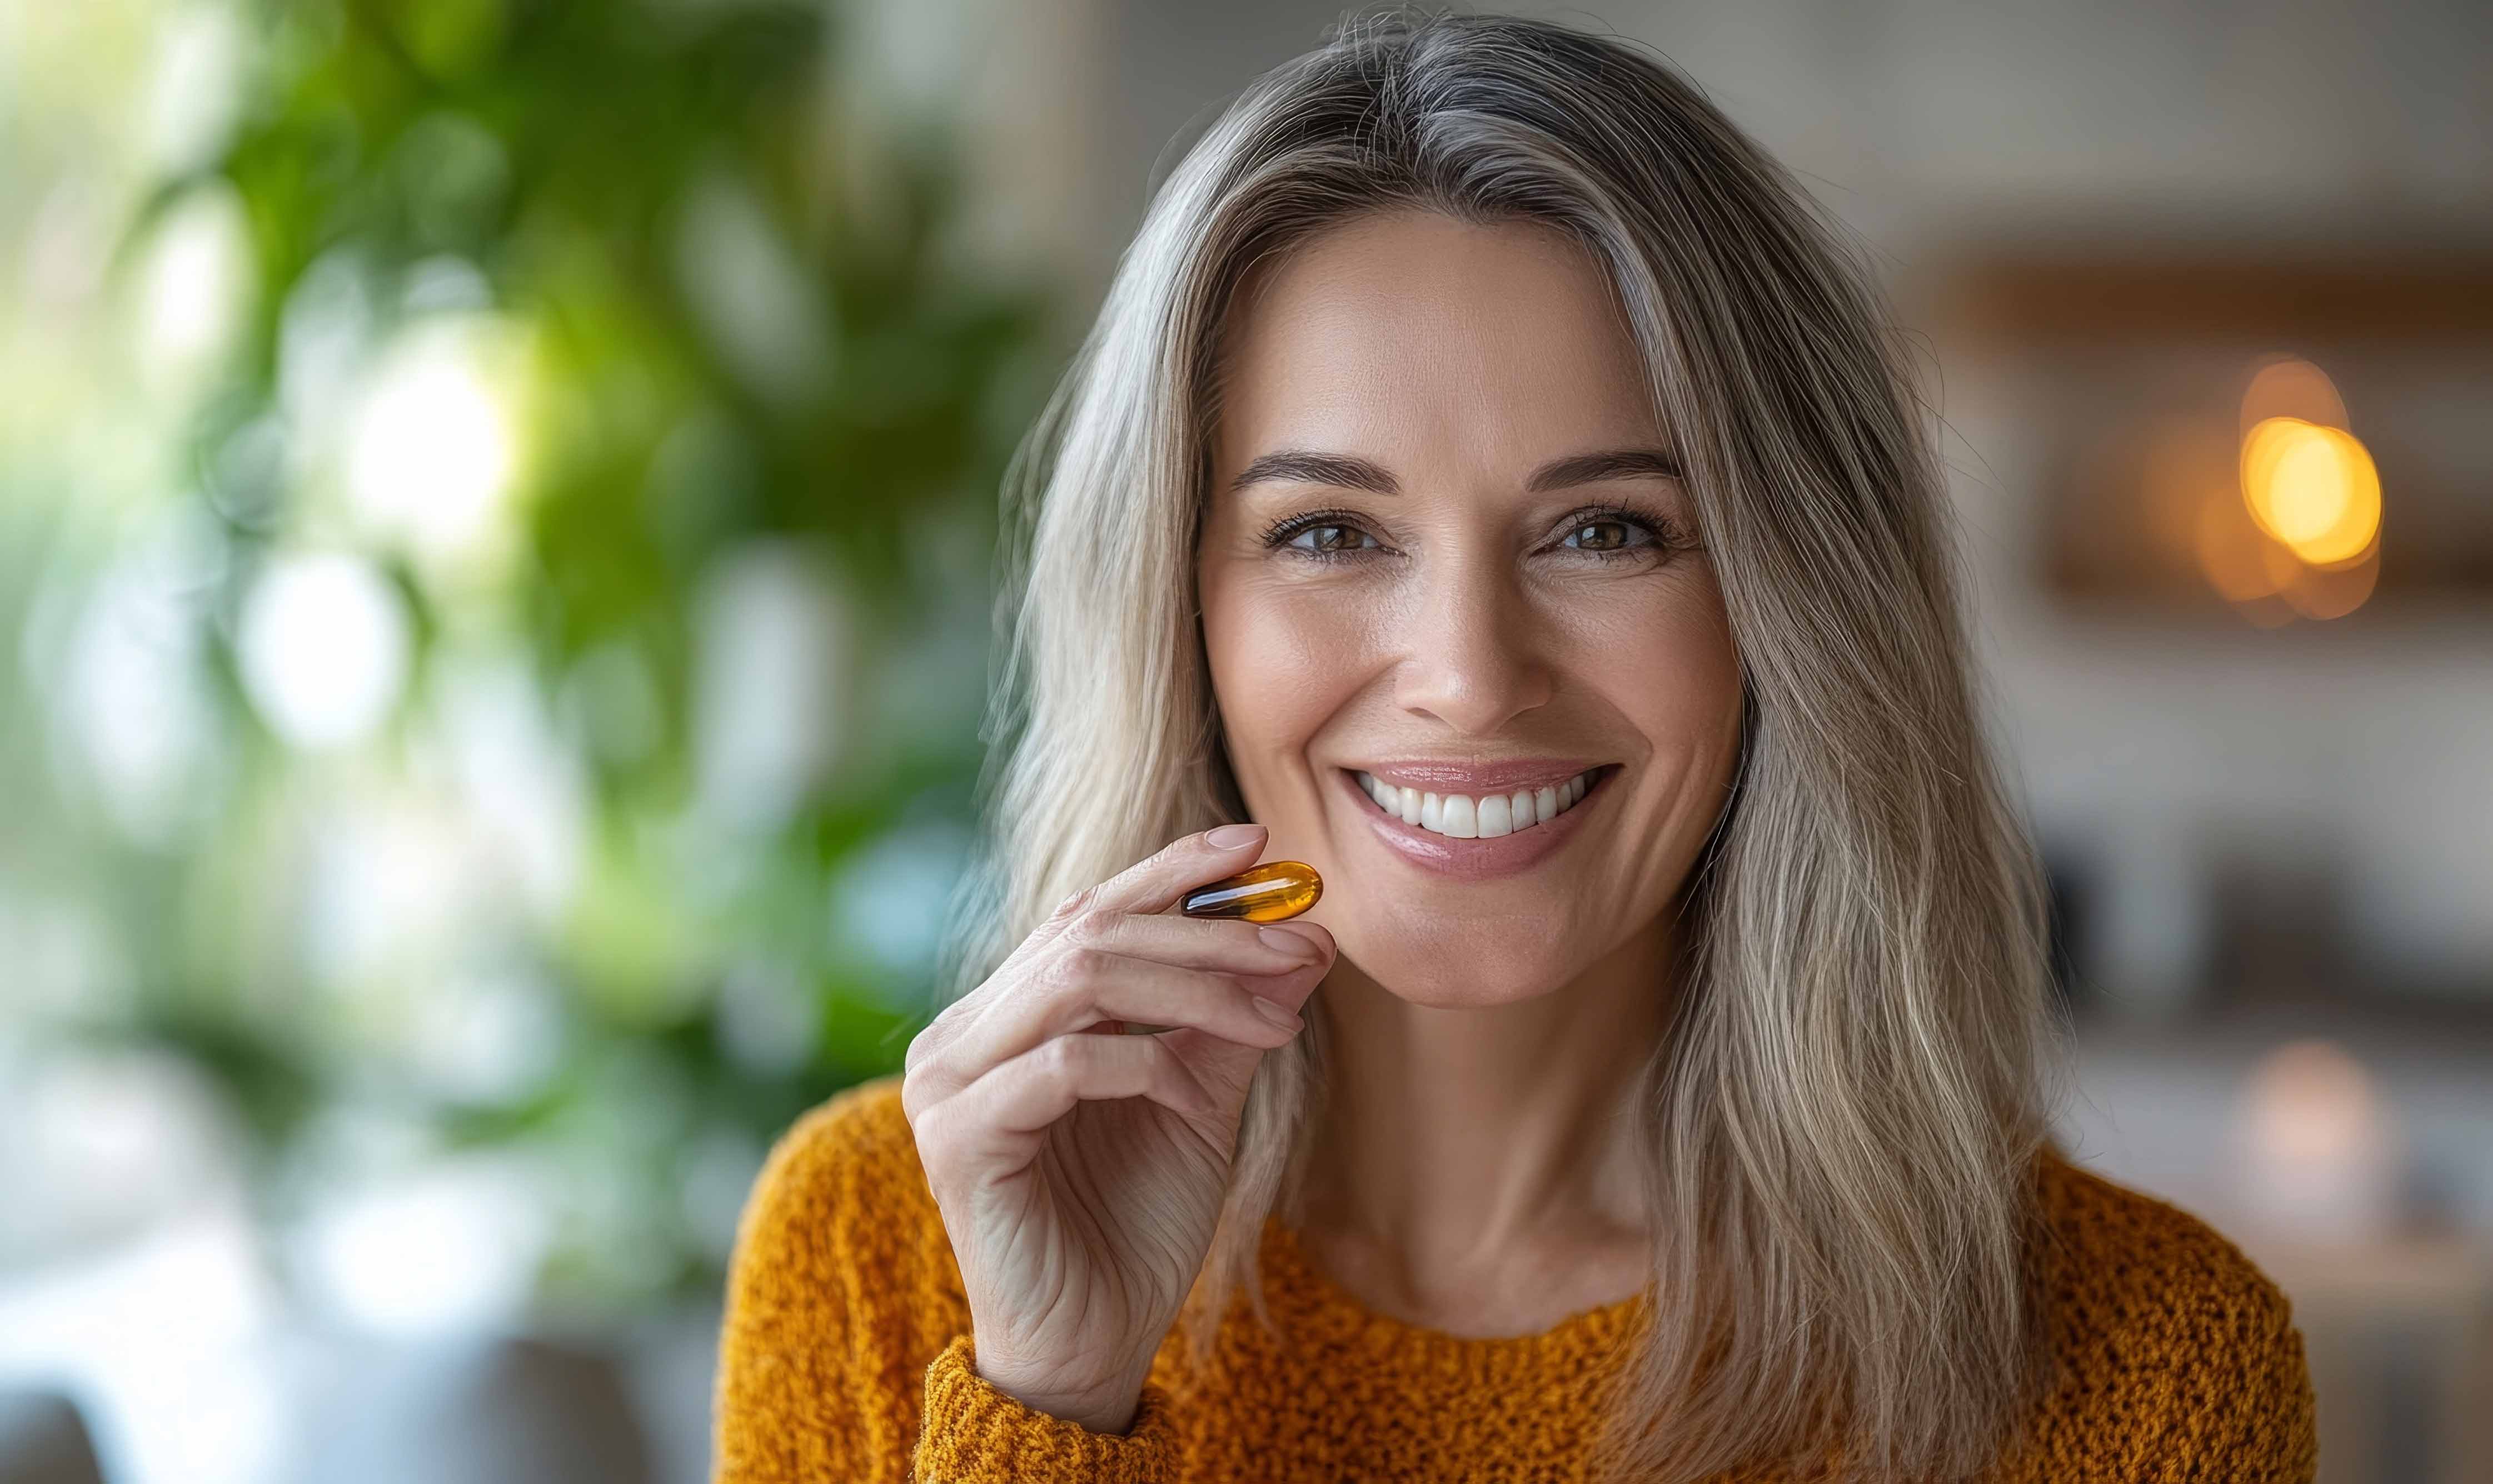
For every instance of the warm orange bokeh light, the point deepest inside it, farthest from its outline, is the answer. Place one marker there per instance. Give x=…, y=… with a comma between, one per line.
x=2294, y=528
x=2313, y=487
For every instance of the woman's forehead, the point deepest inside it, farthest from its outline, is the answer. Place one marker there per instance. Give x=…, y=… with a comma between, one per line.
x=1500, y=341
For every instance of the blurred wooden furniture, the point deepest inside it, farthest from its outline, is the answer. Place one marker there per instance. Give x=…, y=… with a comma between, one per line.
x=2128, y=359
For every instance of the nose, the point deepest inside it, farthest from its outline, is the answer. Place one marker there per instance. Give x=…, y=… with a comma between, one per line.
x=1472, y=649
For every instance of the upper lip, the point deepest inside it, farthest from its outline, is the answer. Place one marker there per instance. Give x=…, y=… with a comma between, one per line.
x=1432, y=775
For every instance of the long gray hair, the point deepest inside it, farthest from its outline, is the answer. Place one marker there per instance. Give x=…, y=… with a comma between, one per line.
x=1844, y=1117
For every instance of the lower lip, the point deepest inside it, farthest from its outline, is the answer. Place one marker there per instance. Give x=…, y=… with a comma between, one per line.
x=1476, y=860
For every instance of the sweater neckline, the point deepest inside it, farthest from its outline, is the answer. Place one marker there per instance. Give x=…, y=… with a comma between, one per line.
x=1337, y=1311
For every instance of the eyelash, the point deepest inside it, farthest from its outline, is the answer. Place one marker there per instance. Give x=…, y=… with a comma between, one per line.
x=1665, y=533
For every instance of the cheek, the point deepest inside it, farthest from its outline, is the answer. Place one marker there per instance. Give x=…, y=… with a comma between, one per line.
x=1670, y=667
x=1280, y=667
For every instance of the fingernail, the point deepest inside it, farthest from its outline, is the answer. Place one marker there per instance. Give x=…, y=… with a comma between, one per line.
x=1291, y=943
x=1278, y=1013
x=1230, y=837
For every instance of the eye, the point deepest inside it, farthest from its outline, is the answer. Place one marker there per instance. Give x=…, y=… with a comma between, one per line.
x=1323, y=536
x=1613, y=534
x=1329, y=540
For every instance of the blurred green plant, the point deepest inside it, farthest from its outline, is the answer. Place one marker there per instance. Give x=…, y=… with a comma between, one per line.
x=716, y=438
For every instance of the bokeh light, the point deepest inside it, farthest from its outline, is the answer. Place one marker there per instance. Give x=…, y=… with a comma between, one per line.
x=324, y=649
x=195, y=273
x=433, y=449
x=2316, y=1143
x=2292, y=530
x=2312, y=487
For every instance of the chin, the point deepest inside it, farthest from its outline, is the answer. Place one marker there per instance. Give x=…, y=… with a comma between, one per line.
x=1456, y=975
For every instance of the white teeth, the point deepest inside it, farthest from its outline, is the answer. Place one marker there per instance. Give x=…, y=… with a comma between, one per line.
x=1465, y=817
x=1496, y=817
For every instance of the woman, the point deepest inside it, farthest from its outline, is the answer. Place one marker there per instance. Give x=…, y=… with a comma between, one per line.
x=1487, y=478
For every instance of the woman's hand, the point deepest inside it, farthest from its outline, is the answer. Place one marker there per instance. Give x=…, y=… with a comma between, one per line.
x=1081, y=1171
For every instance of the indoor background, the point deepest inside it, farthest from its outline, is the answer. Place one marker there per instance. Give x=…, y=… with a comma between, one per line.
x=496, y=509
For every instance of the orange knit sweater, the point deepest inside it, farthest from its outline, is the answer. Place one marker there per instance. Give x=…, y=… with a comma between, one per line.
x=846, y=1357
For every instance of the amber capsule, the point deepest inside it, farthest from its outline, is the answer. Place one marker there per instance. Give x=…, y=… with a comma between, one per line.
x=1267, y=893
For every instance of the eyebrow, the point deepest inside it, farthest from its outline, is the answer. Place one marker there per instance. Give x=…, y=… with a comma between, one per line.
x=1304, y=466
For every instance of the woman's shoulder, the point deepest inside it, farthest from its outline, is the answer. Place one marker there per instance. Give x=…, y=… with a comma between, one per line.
x=2108, y=1242
x=841, y=1294
x=2137, y=1292
x=852, y=1155
x=861, y=1128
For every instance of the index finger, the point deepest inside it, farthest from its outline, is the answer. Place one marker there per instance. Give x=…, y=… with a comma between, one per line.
x=1156, y=882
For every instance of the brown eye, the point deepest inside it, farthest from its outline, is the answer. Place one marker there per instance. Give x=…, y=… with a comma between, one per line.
x=1327, y=541
x=1616, y=536
x=1320, y=536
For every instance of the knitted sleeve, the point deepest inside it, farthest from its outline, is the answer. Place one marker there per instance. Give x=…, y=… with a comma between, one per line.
x=974, y=1432
x=845, y=1352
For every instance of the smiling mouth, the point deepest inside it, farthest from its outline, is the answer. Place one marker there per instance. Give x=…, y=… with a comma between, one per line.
x=1481, y=817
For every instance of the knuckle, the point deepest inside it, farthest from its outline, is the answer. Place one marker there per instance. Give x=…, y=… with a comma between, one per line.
x=917, y=1091
x=1076, y=905
x=1082, y=964
x=1059, y=1060
x=1091, y=929
x=934, y=1038
x=932, y=1129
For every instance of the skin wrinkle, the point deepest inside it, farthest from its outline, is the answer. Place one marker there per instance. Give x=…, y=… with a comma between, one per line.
x=1466, y=1188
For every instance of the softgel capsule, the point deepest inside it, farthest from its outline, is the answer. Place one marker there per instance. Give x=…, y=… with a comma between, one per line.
x=1273, y=892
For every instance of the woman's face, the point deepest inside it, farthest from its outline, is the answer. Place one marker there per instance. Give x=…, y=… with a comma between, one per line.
x=1443, y=546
